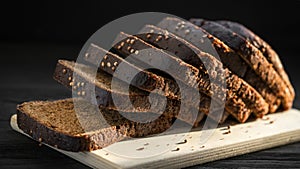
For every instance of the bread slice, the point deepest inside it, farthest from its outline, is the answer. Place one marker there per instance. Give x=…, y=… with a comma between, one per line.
x=255, y=59
x=237, y=91
x=96, y=54
x=229, y=58
x=56, y=123
x=100, y=88
x=83, y=86
x=263, y=46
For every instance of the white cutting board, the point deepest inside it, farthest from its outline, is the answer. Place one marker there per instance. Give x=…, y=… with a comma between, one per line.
x=274, y=130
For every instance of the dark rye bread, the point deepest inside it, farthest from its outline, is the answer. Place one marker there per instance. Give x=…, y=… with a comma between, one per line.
x=253, y=57
x=96, y=54
x=64, y=74
x=259, y=43
x=188, y=53
x=55, y=123
x=144, y=80
x=170, y=64
x=201, y=38
x=101, y=86
x=263, y=46
x=238, y=88
x=204, y=41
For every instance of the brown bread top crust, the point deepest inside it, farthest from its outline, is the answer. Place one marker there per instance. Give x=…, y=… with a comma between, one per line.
x=253, y=57
x=56, y=123
x=237, y=88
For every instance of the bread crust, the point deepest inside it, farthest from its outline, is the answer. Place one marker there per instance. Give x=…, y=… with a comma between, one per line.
x=263, y=46
x=274, y=84
x=239, y=94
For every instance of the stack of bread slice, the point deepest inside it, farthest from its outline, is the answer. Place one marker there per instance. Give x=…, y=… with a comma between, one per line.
x=222, y=61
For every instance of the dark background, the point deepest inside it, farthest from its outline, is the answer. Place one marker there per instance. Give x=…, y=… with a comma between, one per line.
x=32, y=32
x=33, y=35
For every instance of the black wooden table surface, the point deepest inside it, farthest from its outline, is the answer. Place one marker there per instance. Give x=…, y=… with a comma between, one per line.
x=29, y=78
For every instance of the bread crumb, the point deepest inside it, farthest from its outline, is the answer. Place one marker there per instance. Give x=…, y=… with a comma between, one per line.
x=183, y=142
x=268, y=118
x=227, y=132
x=177, y=149
x=140, y=149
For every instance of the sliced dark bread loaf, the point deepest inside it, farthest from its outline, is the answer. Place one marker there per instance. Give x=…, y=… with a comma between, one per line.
x=254, y=58
x=229, y=58
x=263, y=46
x=101, y=86
x=191, y=55
x=96, y=54
x=187, y=52
x=238, y=88
x=55, y=123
